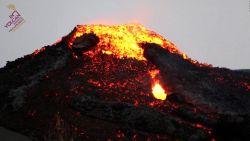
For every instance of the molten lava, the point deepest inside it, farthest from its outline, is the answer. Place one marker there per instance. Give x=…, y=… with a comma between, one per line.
x=122, y=40
x=157, y=90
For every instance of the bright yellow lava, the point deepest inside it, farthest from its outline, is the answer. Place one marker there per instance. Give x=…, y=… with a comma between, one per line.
x=122, y=40
x=159, y=92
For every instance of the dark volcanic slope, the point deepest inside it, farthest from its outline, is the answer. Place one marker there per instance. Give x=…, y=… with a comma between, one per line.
x=54, y=95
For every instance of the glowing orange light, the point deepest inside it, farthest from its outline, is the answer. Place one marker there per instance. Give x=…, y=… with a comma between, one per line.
x=159, y=92
x=154, y=73
x=122, y=40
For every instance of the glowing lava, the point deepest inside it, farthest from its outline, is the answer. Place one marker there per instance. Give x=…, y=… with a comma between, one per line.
x=159, y=92
x=122, y=40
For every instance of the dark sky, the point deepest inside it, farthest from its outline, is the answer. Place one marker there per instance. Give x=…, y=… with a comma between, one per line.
x=211, y=31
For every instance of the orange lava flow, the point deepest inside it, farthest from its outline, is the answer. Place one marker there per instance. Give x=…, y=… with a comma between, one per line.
x=122, y=40
x=157, y=90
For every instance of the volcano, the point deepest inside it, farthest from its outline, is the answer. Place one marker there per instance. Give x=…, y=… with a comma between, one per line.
x=122, y=83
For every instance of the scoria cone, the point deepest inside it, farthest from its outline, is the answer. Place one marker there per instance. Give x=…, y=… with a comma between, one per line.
x=103, y=90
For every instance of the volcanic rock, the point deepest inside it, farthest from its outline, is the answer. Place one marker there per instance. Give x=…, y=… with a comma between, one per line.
x=85, y=43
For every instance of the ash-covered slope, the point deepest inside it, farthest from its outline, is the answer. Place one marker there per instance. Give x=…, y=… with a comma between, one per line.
x=90, y=86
